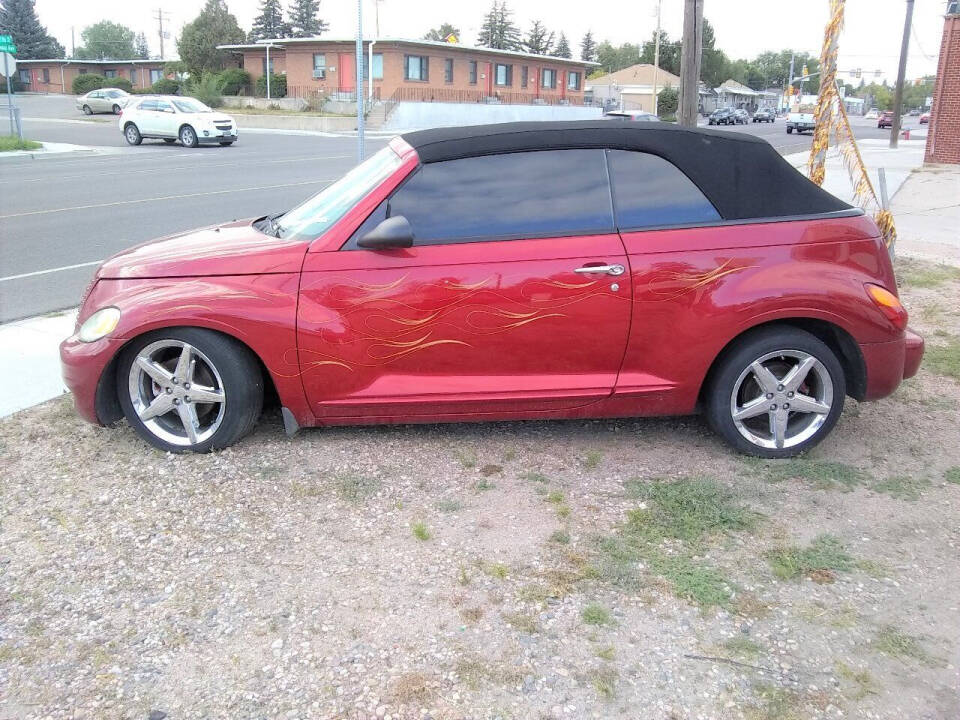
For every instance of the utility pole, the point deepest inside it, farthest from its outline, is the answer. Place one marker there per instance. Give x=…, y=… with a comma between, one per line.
x=159, y=18
x=73, y=43
x=790, y=83
x=901, y=73
x=690, y=62
x=376, y=14
x=656, y=59
x=359, y=88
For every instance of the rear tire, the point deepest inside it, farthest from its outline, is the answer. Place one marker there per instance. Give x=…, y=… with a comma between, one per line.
x=116, y=109
x=789, y=130
x=152, y=369
x=188, y=136
x=767, y=412
x=132, y=133
x=87, y=110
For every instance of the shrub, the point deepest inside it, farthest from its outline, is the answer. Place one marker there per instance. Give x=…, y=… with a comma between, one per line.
x=17, y=85
x=121, y=83
x=236, y=81
x=667, y=101
x=208, y=90
x=278, y=86
x=166, y=86
x=82, y=84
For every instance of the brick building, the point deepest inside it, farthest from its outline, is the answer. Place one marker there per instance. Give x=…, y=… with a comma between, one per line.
x=56, y=76
x=417, y=70
x=943, y=138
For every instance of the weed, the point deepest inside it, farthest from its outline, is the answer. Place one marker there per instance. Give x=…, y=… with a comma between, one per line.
x=463, y=578
x=555, y=497
x=509, y=455
x=861, y=681
x=925, y=275
x=604, y=681
x=776, y=703
x=471, y=615
x=482, y=485
x=488, y=470
x=523, y=622
x=412, y=687
x=467, y=458
x=563, y=511
x=700, y=584
x=820, y=560
x=596, y=614
x=473, y=669
x=9, y=143
x=561, y=537
x=944, y=359
x=496, y=570
x=606, y=653
x=901, y=487
x=591, y=459
x=743, y=647
x=822, y=474
x=952, y=475
x=354, y=488
x=892, y=641
x=420, y=530
x=449, y=506
x=534, y=476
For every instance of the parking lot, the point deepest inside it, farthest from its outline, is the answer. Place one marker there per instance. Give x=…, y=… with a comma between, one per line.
x=94, y=204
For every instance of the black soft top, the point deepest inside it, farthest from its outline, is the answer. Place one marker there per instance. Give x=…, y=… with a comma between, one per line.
x=741, y=174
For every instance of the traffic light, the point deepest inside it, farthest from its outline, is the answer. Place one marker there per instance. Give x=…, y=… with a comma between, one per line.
x=804, y=73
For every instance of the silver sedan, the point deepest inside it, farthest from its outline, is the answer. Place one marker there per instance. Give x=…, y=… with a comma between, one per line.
x=108, y=100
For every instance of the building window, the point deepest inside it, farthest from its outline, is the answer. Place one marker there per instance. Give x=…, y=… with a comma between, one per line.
x=573, y=80
x=110, y=73
x=83, y=71
x=45, y=75
x=25, y=77
x=263, y=65
x=473, y=72
x=416, y=67
x=155, y=75
x=504, y=75
x=549, y=79
x=448, y=70
x=524, y=75
x=319, y=66
x=133, y=75
x=377, y=66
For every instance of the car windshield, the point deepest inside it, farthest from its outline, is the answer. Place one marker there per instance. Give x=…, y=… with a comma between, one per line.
x=318, y=214
x=189, y=105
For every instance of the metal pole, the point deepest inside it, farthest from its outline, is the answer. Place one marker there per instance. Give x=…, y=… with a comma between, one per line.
x=370, y=66
x=790, y=85
x=6, y=74
x=359, y=81
x=656, y=59
x=267, y=71
x=901, y=72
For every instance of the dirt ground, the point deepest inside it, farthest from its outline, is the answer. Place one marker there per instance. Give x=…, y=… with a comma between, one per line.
x=604, y=569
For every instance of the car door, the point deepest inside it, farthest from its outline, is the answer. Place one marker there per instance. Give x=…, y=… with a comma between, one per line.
x=95, y=100
x=510, y=300
x=166, y=120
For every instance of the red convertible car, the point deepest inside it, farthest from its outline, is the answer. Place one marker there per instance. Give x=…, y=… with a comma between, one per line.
x=514, y=271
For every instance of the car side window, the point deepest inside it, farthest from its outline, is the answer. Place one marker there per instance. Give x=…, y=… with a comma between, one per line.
x=163, y=106
x=148, y=105
x=504, y=197
x=649, y=191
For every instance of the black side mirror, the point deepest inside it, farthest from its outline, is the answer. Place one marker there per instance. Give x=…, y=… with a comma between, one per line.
x=394, y=232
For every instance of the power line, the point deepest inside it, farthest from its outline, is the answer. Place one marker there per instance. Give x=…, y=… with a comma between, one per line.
x=160, y=17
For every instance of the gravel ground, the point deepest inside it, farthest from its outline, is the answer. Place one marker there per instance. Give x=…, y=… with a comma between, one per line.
x=605, y=569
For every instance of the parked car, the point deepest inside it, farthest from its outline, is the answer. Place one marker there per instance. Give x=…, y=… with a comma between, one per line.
x=873, y=114
x=741, y=117
x=925, y=118
x=721, y=116
x=914, y=112
x=170, y=117
x=651, y=269
x=104, y=100
x=764, y=115
x=800, y=121
x=631, y=115
x=886, y=119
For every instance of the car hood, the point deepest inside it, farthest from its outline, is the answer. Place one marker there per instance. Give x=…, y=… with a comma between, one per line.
x=235, y=248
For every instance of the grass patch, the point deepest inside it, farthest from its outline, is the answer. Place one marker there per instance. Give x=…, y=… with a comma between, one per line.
x=952, y=475
x=412, y=687
x=496, y=570
x=555, y=497
x=8, y=143
x=776, y=703
x=420, y=531
x=859, y=683
x=523, y=622
x=820, y=560
x=925, y=275
x=473, y=670
x=692, y=580
x=742, y=646
x=471, y=615
x=467, y=458
x=354, y=488
x=560, y=537
x=944, y=359
x=449, y=506
x=606, y=653
x=821, y=474
x=596, y=614
x=895, y=643
x=483, y=484
x=901, y=487
x=604, y=681
x=534, y=476
x=563, y=511
x=591, y=459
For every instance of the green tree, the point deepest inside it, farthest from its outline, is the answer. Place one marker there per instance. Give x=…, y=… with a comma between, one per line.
x=498, y=30
x=106, y=39
x=669, y=52
x=19, y=19
x=667, y=101
x=613, y=58
x=141, y=47
x=562, y=50
x=714, y=64
x=305, y=18
x=197, y=45
x=588, y=48
x=440, y=34
x=539, y=40
x=270, y=23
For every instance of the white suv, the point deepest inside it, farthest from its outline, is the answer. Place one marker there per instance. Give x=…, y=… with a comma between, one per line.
x=171, y=118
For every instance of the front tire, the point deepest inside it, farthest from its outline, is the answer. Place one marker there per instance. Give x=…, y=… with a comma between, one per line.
x=789, y=130
x=116, y=109
x=87, y=110
x=132, y=133
x=188, y=136
x=189, y=389
x=777, y=393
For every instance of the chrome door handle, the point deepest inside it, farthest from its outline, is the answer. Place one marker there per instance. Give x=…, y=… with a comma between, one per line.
x=608, y=269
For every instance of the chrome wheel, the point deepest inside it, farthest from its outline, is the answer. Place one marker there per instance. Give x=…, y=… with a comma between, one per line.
x=177, y=392
x=188, y=137
x=781, y=399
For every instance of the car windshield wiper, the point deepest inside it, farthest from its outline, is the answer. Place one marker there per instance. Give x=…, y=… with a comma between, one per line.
x=273, y=224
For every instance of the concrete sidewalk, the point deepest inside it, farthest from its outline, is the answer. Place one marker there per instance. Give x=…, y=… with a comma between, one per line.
x=927, y=214
x=30, y=360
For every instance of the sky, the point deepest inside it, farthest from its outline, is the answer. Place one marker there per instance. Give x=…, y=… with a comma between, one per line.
x=744, y=28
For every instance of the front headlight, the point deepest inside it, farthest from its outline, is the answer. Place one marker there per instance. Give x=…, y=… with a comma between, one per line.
x=100, y=324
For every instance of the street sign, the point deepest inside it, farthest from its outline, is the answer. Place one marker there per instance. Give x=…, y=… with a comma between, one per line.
x=6, y=44
x=8, y=64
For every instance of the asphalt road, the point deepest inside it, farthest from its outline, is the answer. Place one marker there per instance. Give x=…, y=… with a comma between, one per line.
x=60, y=216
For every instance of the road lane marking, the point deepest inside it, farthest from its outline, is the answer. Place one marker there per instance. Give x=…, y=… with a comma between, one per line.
x=161, y=198
x=35, y=273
